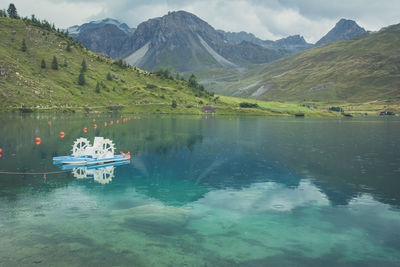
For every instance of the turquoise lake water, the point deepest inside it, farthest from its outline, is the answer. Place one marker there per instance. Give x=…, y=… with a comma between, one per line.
x=203, y=191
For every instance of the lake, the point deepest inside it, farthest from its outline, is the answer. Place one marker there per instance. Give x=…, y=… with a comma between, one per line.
x=202, y=191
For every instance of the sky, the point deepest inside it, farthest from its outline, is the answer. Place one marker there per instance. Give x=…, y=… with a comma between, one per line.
x=267, y=19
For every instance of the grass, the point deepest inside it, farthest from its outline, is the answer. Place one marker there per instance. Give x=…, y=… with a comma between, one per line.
x=362, y=74
x=24, y=83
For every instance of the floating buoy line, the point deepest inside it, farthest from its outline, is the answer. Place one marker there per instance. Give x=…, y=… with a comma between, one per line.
x=85, y=129
x=38, y=140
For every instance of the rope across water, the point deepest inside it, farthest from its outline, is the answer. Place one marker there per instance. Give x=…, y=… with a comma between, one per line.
x=33, y=173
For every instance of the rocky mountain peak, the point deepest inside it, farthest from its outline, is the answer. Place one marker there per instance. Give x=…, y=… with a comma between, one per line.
x=343, y=30
x=292, y=40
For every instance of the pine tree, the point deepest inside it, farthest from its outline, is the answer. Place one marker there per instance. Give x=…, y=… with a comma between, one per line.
x=43, y=64
x=193, y=81
x=109, y=77
x=97, y=88
x=68, y=48
x=54, y=64
x=174, y=105
x=12, y=11
x=84, y=67
x=23, y=46
x=81, y=79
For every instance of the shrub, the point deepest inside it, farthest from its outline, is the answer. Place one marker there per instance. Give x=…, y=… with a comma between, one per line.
x=174, y=105
x=151, y=86
x=43, y=64
x=248, y=105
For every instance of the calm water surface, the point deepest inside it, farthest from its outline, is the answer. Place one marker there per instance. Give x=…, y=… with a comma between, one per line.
x=224, y=191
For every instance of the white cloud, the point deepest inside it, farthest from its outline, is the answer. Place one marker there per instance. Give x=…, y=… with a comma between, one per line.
x=62, y=13
x=267, y=19
x=264, y=197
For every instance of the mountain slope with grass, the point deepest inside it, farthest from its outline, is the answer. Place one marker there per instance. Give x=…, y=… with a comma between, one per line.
x=359, y=70
x=29, y=78
x=41, y=69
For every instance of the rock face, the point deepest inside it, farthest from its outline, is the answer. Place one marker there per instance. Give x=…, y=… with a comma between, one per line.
x=343, y=30
x=183, y=42
x=105, y=36
x=178, y=40
x=238, y=37
x=174, y=41
x=291, y=44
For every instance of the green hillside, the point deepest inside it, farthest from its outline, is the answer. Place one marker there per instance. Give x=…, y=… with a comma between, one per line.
x=26, y=85
x=362, y=70
x=24, y=82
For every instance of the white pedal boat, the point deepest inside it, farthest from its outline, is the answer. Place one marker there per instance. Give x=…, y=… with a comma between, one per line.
x=83, y=153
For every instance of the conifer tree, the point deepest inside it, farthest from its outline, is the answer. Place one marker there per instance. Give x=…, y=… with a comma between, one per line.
x=109, y=77
x=54, y=63
x=23, y=46
x=97, y=88
x=193, y=81
x=81, y=79
x=84, y=67
x=43, y=64
x=12, y=11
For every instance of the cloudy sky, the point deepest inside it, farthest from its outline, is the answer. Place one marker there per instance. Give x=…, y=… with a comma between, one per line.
x=267, y=19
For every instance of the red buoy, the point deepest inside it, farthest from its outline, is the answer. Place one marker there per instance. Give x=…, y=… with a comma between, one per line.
x=111, y=122
x=85, y=130
x=49, y=122
x=38, y=140
x=1, y=150
x=95, y=126
x=105, y=124
x=117, y=121
x=94, y=120
x=62, y=134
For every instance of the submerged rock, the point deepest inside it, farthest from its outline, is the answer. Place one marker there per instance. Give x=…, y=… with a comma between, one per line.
x=153, y=219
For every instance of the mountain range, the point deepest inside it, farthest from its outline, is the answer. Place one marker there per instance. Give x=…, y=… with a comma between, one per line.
x=42, y=69
x=183, y=42
x=348, y=64
x=364, y=69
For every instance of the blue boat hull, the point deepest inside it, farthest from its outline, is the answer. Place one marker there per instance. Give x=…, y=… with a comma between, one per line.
x=86, y=160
